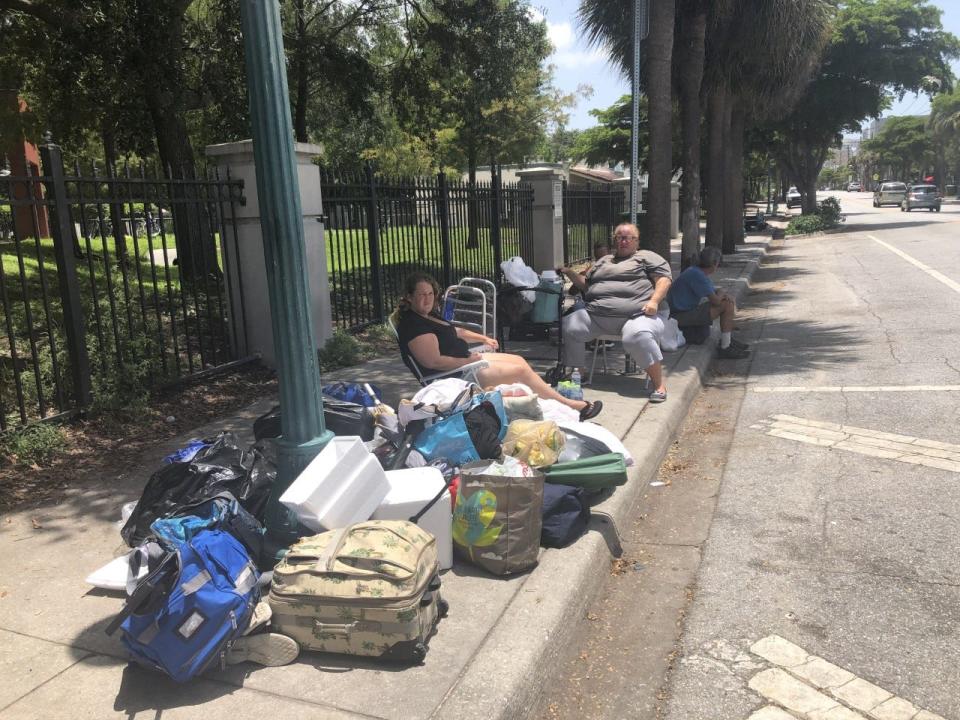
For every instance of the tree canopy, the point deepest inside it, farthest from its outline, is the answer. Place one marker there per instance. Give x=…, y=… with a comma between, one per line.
x=878, y=50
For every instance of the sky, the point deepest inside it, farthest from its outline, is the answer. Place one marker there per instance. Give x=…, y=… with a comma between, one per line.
x=577, y=64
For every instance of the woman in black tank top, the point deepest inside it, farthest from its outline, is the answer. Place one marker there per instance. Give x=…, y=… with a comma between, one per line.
x=437, y=346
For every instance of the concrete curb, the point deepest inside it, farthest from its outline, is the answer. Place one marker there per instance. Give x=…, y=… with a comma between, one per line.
x=506, y=676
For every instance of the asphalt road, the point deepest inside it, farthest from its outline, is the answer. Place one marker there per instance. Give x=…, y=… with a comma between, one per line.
x=806, y=554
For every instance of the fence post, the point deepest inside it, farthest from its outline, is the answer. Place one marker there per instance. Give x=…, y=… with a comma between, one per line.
x=62, y=232
x=566, y=226
x=443, y=208
x=495, y=220
x=373, y=240
x=609, y=214
x=589, y=248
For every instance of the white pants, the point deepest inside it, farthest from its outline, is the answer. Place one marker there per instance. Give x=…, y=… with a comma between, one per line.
x=640, y=336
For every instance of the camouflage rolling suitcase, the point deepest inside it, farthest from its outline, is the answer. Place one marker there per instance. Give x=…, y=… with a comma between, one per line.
x=372, y=589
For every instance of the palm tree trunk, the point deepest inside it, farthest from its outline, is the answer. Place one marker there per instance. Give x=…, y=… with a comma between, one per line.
x=715, y=179
x=735, y=118
x=660, y=111
x=691, y=60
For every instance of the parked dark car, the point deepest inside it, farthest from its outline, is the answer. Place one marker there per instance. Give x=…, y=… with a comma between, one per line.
x=922, y=196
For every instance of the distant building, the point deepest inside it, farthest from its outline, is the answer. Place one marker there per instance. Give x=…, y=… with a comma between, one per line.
x=18, y=155
x=873, y=128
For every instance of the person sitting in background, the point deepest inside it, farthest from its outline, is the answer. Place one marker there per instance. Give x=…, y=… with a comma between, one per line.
x=622, y=293
x=696, y=302
x=438, y=346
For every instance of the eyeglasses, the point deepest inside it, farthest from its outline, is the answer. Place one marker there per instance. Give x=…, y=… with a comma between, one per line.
x=625, y=237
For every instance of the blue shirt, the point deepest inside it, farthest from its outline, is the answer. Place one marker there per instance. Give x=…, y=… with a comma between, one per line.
x=688, y=289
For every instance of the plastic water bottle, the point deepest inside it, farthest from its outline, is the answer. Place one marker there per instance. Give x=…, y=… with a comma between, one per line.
x=575, y=379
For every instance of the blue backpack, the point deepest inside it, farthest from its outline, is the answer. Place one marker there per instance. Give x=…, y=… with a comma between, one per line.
x=197, y=597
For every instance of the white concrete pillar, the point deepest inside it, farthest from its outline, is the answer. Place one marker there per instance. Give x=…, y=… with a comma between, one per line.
x=244, y=261
x=547, y=216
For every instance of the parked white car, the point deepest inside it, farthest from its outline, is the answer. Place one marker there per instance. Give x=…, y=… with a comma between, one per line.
x=794, y=198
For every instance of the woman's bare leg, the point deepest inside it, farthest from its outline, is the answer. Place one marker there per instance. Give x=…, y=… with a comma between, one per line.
x=505, y=369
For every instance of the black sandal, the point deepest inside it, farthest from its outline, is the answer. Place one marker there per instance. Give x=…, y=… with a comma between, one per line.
x=591, y=410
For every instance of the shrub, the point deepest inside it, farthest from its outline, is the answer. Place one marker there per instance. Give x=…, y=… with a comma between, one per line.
x=826, y=217
x=33, y=445
x=802, y=224
x=829, y=211
x=341, y=350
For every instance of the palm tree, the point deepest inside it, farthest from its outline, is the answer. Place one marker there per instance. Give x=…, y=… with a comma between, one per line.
x=760, y=56
x=944, y=123
x=689, y=49
x=609, y=24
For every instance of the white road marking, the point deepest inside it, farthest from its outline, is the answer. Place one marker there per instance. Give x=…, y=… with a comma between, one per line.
x=953, y=285
x=816, y=689
x=855, y=388
x=864, y=441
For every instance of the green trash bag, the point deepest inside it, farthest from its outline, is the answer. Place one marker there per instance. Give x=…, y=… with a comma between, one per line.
x=594, y=473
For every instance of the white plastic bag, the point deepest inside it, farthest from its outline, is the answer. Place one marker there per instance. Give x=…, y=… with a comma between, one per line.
x=672, y=337
x=441, y=392
x=600, y=433
x=517, y=273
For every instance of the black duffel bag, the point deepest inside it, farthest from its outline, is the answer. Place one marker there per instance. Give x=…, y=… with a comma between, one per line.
x=339, y=417
x=565, y=515
x=223, y=466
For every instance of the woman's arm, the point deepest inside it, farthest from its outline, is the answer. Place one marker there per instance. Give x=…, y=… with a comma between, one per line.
x=426, y=351
x=578, y=279
x=471, y=336
x=660, y=288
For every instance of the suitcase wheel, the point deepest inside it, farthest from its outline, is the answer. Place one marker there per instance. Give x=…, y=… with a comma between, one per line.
x=434, y=583
x=419, y=652
x=443, y=607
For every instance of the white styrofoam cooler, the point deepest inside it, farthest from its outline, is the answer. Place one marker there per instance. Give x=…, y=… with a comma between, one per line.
x=342, y=485
x=410, y=490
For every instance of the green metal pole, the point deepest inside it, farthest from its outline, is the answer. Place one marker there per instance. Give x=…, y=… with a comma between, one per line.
x=281, y=218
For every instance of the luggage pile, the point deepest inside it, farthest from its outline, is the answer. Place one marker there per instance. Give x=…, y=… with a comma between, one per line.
x=488, y=476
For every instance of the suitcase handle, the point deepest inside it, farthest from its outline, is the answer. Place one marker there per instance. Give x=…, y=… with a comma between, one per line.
x=331, y=554
x=335, y=629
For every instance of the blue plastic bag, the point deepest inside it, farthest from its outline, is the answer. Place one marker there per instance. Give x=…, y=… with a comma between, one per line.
x=187, y=452
x=353, y=392
x=449, y=438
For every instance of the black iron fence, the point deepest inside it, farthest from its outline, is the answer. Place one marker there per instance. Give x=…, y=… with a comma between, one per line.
x=590, y=213
x=110, y=280
x=380, y=229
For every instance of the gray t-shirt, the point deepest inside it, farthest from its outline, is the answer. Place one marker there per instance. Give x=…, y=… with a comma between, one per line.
x=620, y=287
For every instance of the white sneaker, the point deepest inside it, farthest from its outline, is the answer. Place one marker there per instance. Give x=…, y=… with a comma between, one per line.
x=261, y=616
x=270, y=649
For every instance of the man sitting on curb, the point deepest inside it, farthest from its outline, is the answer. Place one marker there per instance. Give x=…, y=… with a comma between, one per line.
x=695, y=301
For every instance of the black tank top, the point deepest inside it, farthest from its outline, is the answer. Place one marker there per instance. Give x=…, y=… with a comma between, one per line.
x=412, y=325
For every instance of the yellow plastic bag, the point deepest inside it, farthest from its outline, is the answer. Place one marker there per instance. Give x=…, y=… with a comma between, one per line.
x=537, y=442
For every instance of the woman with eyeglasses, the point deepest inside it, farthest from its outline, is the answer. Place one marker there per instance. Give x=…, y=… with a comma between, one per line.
x=622, y=293
x=439, y=346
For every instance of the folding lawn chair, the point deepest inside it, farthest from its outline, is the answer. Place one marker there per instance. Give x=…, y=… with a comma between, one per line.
x=469, y=371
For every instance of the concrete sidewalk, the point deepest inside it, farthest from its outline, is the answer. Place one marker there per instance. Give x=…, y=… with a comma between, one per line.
x=488, y=658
